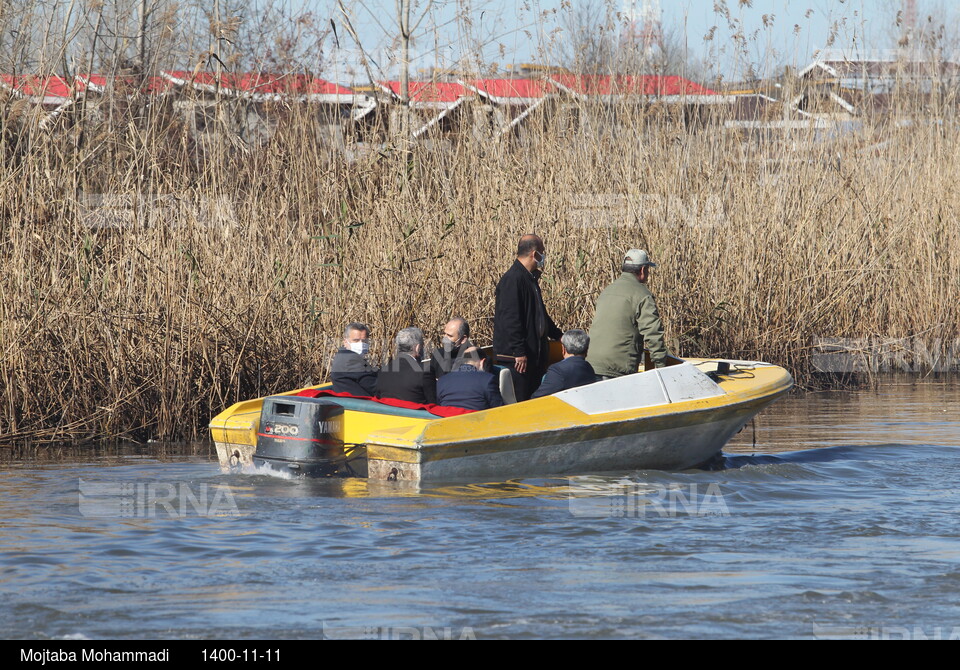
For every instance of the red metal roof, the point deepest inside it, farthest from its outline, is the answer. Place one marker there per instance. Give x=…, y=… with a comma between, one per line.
x=323, y=87
x=56, y=90
x=506, y=89
x=93, y=82
x=438, y=92
x=259, y=83
x=154, y=84
x=49, y=89
x=98, y=83
x=629, y=85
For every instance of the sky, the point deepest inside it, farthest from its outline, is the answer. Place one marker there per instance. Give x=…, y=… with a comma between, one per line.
x=767, y=34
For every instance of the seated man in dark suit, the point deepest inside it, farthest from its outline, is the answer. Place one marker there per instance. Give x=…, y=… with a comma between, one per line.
x=470, y=386
x=406, y=377
x=350, y=371
x=573, y=370
x=456, y=339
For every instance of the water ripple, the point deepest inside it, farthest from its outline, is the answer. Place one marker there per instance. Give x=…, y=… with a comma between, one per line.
x=828, y=528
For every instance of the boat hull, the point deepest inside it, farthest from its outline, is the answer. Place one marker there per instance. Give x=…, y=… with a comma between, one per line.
x=672, y=419
x=634, y=445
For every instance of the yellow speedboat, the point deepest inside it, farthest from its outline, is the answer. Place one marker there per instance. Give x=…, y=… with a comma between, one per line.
x=671, y=418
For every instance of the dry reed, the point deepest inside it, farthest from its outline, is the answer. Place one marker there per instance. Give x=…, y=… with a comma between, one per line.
x=213, y=273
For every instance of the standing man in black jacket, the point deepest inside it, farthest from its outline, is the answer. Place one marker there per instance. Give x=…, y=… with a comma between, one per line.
x=521, y=324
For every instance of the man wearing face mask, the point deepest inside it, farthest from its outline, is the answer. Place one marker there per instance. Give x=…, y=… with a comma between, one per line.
x=521, y=324
x=456, y=340
x=350, y=371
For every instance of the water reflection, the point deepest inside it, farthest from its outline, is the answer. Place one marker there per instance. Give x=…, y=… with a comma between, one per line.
x=801, y=428
x=903, y=413
x=843, y=514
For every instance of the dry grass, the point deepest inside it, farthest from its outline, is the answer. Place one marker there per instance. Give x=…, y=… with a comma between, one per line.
x=236, y=271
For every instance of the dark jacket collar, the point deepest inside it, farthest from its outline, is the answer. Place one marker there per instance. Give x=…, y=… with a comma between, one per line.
x=519, y=267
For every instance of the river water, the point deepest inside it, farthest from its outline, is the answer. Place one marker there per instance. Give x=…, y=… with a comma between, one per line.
x=835, y=515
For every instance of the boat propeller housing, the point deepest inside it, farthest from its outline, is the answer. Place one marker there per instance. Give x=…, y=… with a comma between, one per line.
x=302, y=436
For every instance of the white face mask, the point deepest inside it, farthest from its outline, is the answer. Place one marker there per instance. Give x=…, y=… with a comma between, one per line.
x=360, y=348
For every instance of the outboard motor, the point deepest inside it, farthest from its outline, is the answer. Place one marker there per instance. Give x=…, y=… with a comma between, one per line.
x=302, y=436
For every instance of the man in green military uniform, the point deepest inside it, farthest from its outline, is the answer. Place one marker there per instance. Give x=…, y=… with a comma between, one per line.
x=626, y=317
